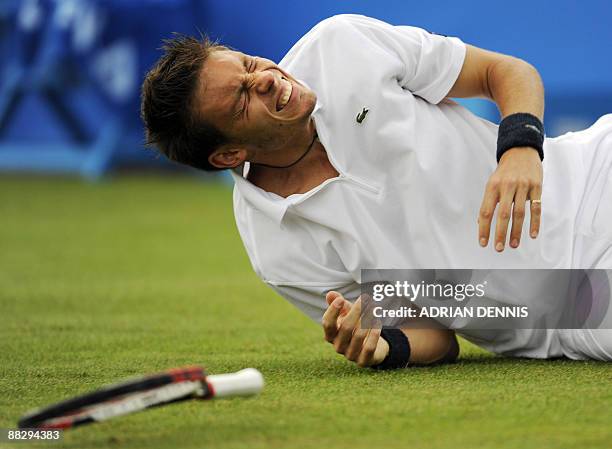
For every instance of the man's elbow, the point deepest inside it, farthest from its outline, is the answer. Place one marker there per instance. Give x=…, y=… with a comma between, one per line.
x=433, y=347
x=452, y=353
x=508, y=69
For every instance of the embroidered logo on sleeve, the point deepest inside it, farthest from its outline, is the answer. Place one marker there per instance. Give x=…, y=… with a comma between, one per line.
x=362, y=115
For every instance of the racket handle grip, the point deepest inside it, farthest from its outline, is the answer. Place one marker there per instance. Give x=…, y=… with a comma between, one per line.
x=246, y=382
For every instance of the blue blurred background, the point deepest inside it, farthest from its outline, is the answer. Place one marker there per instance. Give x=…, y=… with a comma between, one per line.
x=70, y=70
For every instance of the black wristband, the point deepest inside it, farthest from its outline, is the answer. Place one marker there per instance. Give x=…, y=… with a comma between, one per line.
x=520, y=130
x=399, y=350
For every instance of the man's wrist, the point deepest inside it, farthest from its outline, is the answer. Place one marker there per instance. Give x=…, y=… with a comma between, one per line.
x=515, y=151
x=520, y=130
x=398, y=355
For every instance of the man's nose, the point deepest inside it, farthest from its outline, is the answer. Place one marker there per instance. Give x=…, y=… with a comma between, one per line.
x=264, y=81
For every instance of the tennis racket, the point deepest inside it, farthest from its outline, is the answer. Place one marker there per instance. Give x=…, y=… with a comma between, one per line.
x=140, y=393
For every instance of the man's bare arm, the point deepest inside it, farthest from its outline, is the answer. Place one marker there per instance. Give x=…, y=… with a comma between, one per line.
x=342, y=329
x=515, y=86
x=429, y=345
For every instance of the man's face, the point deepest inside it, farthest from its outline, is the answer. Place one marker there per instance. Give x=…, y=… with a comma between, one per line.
x=254, y=102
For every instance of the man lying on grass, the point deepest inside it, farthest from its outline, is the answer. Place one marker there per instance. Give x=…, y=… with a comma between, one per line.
x=349, y=154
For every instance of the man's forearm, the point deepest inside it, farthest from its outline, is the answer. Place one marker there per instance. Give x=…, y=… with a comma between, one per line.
x=416, y=346
x=515, y=86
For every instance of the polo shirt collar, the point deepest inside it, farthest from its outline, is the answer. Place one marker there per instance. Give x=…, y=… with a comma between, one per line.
x=270, y=204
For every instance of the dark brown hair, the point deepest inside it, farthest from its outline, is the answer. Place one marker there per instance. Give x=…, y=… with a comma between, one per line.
x=172, y=125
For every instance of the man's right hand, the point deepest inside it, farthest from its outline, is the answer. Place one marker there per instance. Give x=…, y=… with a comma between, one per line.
x=342, y=328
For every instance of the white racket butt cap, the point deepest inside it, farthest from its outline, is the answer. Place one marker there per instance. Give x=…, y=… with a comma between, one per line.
x=246, y=382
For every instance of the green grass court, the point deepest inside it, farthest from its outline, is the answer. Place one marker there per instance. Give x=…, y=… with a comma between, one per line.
x=138, y=274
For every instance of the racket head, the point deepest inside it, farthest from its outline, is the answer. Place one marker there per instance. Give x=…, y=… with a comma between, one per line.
x=154, y=388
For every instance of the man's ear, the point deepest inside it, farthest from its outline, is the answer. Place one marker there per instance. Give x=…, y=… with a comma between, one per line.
x=227, y=157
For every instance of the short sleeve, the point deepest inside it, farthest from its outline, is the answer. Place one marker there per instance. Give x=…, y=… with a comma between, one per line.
x=431, y=62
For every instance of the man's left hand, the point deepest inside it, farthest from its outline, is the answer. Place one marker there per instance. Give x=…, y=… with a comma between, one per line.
x=342, y=328
x=517, y=179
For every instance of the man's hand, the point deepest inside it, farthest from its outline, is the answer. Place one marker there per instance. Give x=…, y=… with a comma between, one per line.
x=342, y=327
x=518, y=178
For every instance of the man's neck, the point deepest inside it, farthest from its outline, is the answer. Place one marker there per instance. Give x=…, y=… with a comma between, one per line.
x=314, y=169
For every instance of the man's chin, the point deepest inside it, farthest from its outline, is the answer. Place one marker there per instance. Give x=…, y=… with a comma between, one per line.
x=309, y=99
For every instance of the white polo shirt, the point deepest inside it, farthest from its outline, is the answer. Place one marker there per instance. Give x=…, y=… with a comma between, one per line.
x=411, y=176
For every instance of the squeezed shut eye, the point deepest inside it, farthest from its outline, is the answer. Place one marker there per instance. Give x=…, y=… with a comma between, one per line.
x=245, y=96
x=249, y=66
x=241, y=110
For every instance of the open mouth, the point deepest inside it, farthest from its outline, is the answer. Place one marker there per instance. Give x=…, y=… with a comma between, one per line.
x=285, y=95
